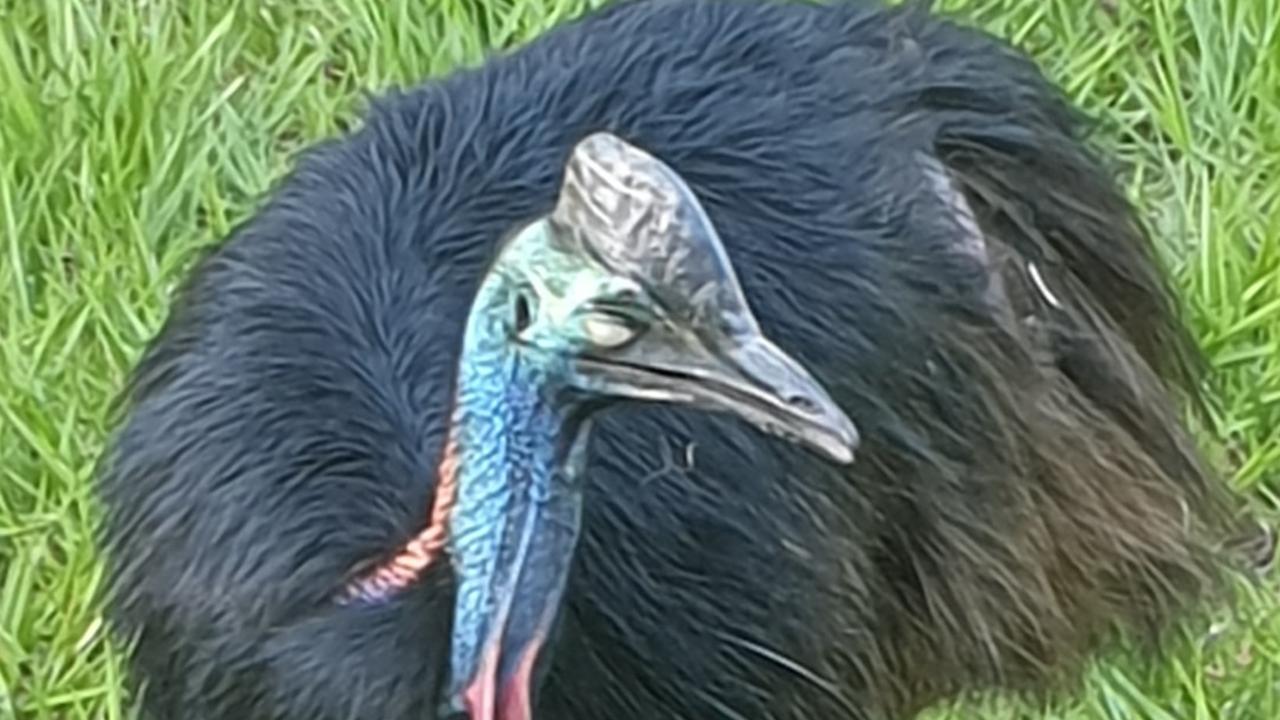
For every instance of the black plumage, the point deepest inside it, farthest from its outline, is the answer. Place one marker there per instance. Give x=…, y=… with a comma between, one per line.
x=912, y=214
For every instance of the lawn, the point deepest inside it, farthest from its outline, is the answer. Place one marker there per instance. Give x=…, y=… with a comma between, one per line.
x=134, y=134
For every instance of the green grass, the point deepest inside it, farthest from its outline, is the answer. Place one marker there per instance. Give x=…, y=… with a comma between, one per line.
x=133, y=134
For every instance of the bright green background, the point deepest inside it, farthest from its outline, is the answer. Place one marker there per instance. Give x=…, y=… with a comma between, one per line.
x=135, y=132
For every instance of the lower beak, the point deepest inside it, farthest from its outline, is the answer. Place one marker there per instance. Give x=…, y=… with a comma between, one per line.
x=754, y=380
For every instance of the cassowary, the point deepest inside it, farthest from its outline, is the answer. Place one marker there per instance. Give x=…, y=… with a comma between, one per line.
x=699, y=359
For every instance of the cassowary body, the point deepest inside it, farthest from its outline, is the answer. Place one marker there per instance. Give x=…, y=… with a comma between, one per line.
x=912, y=217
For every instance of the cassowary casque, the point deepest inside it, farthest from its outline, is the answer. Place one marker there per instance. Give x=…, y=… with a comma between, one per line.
x=699, y=359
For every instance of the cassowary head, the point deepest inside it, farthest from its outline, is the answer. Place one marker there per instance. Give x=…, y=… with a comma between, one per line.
x=624, y=291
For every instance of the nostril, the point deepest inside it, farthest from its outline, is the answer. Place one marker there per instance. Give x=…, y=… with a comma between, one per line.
x=803, y=403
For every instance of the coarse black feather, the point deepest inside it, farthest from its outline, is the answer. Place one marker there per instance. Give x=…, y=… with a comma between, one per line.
x=886, y=183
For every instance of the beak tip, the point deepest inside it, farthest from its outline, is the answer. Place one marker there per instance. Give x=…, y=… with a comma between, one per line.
x=838, y=442
x=845, y=448
x=844, y=452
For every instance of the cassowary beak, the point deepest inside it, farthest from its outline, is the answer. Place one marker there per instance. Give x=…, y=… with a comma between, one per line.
x=747, y=376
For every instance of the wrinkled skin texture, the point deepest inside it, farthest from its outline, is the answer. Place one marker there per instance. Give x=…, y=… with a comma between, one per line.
x=880, y=180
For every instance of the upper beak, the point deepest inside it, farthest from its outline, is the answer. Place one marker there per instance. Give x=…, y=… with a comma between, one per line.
x=748, y=376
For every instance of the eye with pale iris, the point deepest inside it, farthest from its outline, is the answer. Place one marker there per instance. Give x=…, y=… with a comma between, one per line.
x=608, y=330
x=616, y=317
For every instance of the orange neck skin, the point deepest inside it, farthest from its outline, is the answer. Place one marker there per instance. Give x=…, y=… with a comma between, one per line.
x=421, y=551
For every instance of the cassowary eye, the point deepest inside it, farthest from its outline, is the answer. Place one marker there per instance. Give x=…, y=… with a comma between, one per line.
x=609, y=330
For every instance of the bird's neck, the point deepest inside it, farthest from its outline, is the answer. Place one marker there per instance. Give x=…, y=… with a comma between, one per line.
x=508, y=439
x=514, y=442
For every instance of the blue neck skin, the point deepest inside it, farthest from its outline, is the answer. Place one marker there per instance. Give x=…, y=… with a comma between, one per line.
x=518, y=508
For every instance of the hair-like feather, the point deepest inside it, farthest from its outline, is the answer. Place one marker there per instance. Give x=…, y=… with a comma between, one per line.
x=912, y=214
